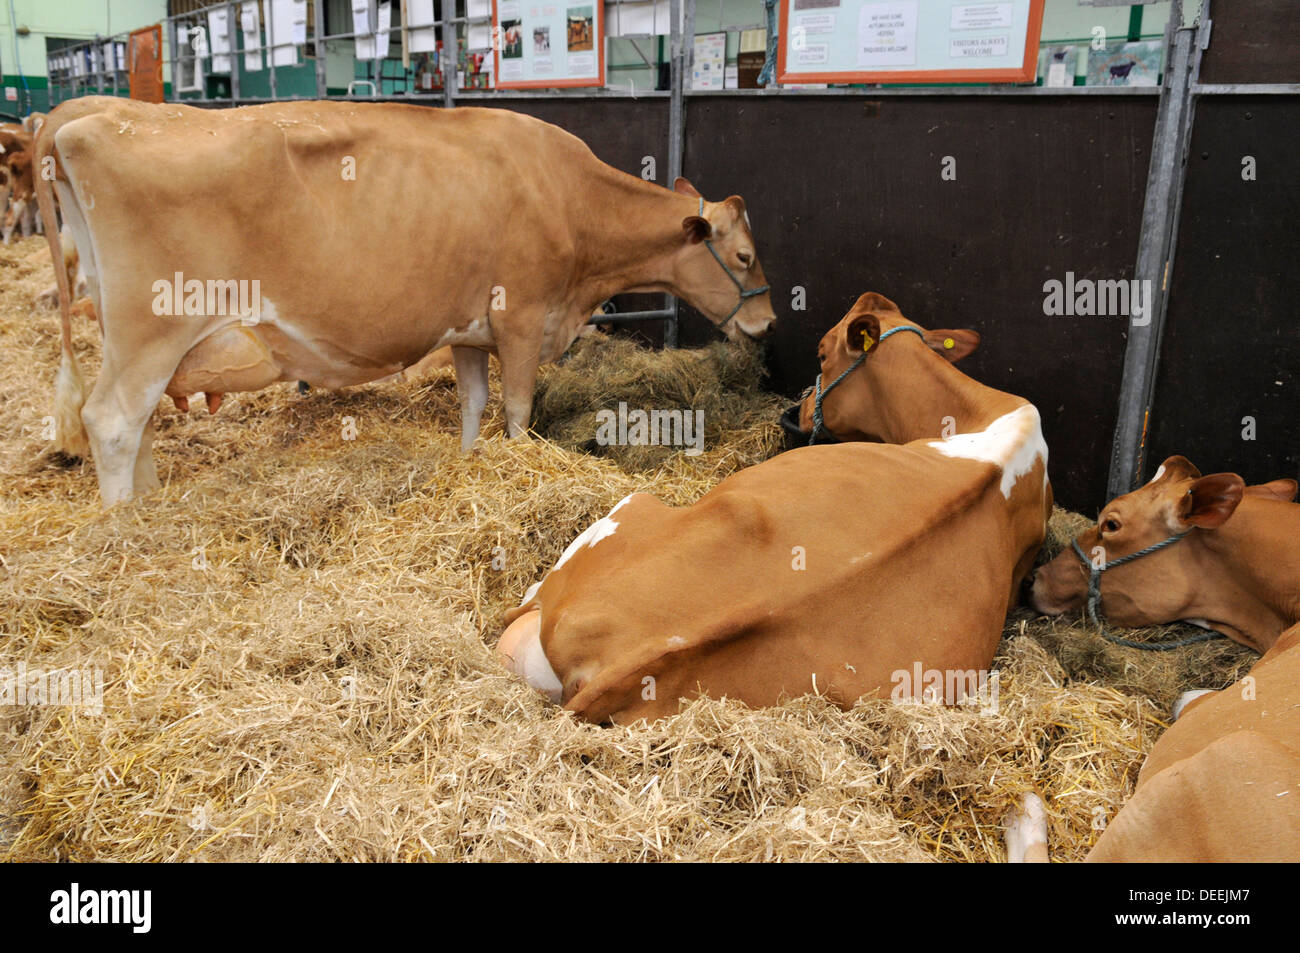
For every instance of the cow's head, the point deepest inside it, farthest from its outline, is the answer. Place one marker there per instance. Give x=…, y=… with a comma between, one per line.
x=852, y=409
x=718, y=272
x=1159, y=587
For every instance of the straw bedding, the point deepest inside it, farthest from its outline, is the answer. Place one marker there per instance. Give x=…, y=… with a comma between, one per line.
x=296, y=633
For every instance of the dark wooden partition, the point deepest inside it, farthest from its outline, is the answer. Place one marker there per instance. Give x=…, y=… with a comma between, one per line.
x=1253, y=41
x=845, y=196
x=1232, y=337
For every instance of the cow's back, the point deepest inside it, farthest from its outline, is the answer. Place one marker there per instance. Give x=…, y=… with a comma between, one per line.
x=378, y=226
x=1223, y=783
x=826, y=569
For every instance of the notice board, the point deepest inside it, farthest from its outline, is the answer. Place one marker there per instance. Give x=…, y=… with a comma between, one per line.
x=909, y=41
x=543, y=45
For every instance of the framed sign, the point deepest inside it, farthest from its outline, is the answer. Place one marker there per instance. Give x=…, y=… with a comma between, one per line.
x=541, y=44
x=909, y=41
x=144, y=64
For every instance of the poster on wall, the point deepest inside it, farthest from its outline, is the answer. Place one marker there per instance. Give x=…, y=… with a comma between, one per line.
x=708, y=66
x=548, y=44
x=1126, y=64
x=908, y=41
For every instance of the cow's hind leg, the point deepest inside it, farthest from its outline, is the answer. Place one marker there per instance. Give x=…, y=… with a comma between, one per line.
x=119, y=415
x=519, y=355
x=472, y=385
x=1026, y=832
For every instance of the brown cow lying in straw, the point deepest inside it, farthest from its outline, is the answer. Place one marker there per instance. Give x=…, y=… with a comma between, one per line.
x=827, y=569
x=1223, y=783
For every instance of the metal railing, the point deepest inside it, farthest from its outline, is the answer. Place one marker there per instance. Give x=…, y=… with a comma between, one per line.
x=93, y=67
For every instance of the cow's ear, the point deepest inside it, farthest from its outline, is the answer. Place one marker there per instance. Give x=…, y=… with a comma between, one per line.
x=1210, y=500
x=953, y=345
x=1176, y=468
x=861, y=332
x=682, y=184
x=1283, y=490
x=697, y=228
x=873, y=301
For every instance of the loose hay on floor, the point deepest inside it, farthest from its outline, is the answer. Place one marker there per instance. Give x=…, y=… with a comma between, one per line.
x=296, y=633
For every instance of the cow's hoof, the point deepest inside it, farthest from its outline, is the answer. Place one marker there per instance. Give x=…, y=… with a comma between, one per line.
x=1026, y=832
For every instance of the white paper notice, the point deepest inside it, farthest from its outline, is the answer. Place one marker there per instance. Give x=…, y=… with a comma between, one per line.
x=813, y=53
x=250, y=24
x=422, y=38
x=365, y=40
x=581, y=64
x=981, y=16
x=707, y=71
x=382, y=36
x=288, y=29
x=219, y=39
x=978, y=47
x=639, y=18
x=1056, y=76
x=816, y=23
x=887, y=34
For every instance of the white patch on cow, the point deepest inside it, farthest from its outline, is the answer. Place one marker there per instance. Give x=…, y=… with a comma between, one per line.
x=1186, y=698
x=531, y=663
x=1159, y=474
x=1014, y=443
x=1200, y=624
x=676, y=641
x=532, y=591
x=476, y=334
x=603, y=528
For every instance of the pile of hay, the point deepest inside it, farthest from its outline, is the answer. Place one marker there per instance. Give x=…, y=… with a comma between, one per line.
x=721, y=380
x=296, y=632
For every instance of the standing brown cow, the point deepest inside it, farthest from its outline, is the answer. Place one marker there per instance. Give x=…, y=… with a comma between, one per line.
x=229, y=249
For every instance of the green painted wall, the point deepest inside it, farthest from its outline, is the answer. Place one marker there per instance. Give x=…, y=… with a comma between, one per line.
x=24, y=32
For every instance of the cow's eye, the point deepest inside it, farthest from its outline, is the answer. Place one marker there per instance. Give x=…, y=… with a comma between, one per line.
x=1111, y=525
x=745, y=258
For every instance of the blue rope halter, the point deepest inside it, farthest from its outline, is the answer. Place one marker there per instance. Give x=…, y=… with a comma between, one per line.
x=818, y=423
x=745, y=295
x=1092, y=608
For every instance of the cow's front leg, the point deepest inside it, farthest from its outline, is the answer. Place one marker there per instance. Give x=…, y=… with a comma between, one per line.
x=519, y=352
x=472, y=385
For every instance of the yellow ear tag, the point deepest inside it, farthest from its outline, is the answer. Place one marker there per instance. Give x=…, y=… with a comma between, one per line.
x=949, y=344
x=866, y=342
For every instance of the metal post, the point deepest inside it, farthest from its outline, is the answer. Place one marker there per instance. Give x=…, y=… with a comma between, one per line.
x=270, y=49
x=232, y=31
x=176, y=74
x=450, y=53
x=1156, y=248
x=318, y=25
x=676, y=121
x=376, y=65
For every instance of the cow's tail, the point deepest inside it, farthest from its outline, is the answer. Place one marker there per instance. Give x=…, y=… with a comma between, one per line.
x=70, y=436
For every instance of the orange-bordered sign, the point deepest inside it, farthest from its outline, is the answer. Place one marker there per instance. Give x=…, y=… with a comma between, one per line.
x=955, y=31
x=535, y=44
x=144, y=64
